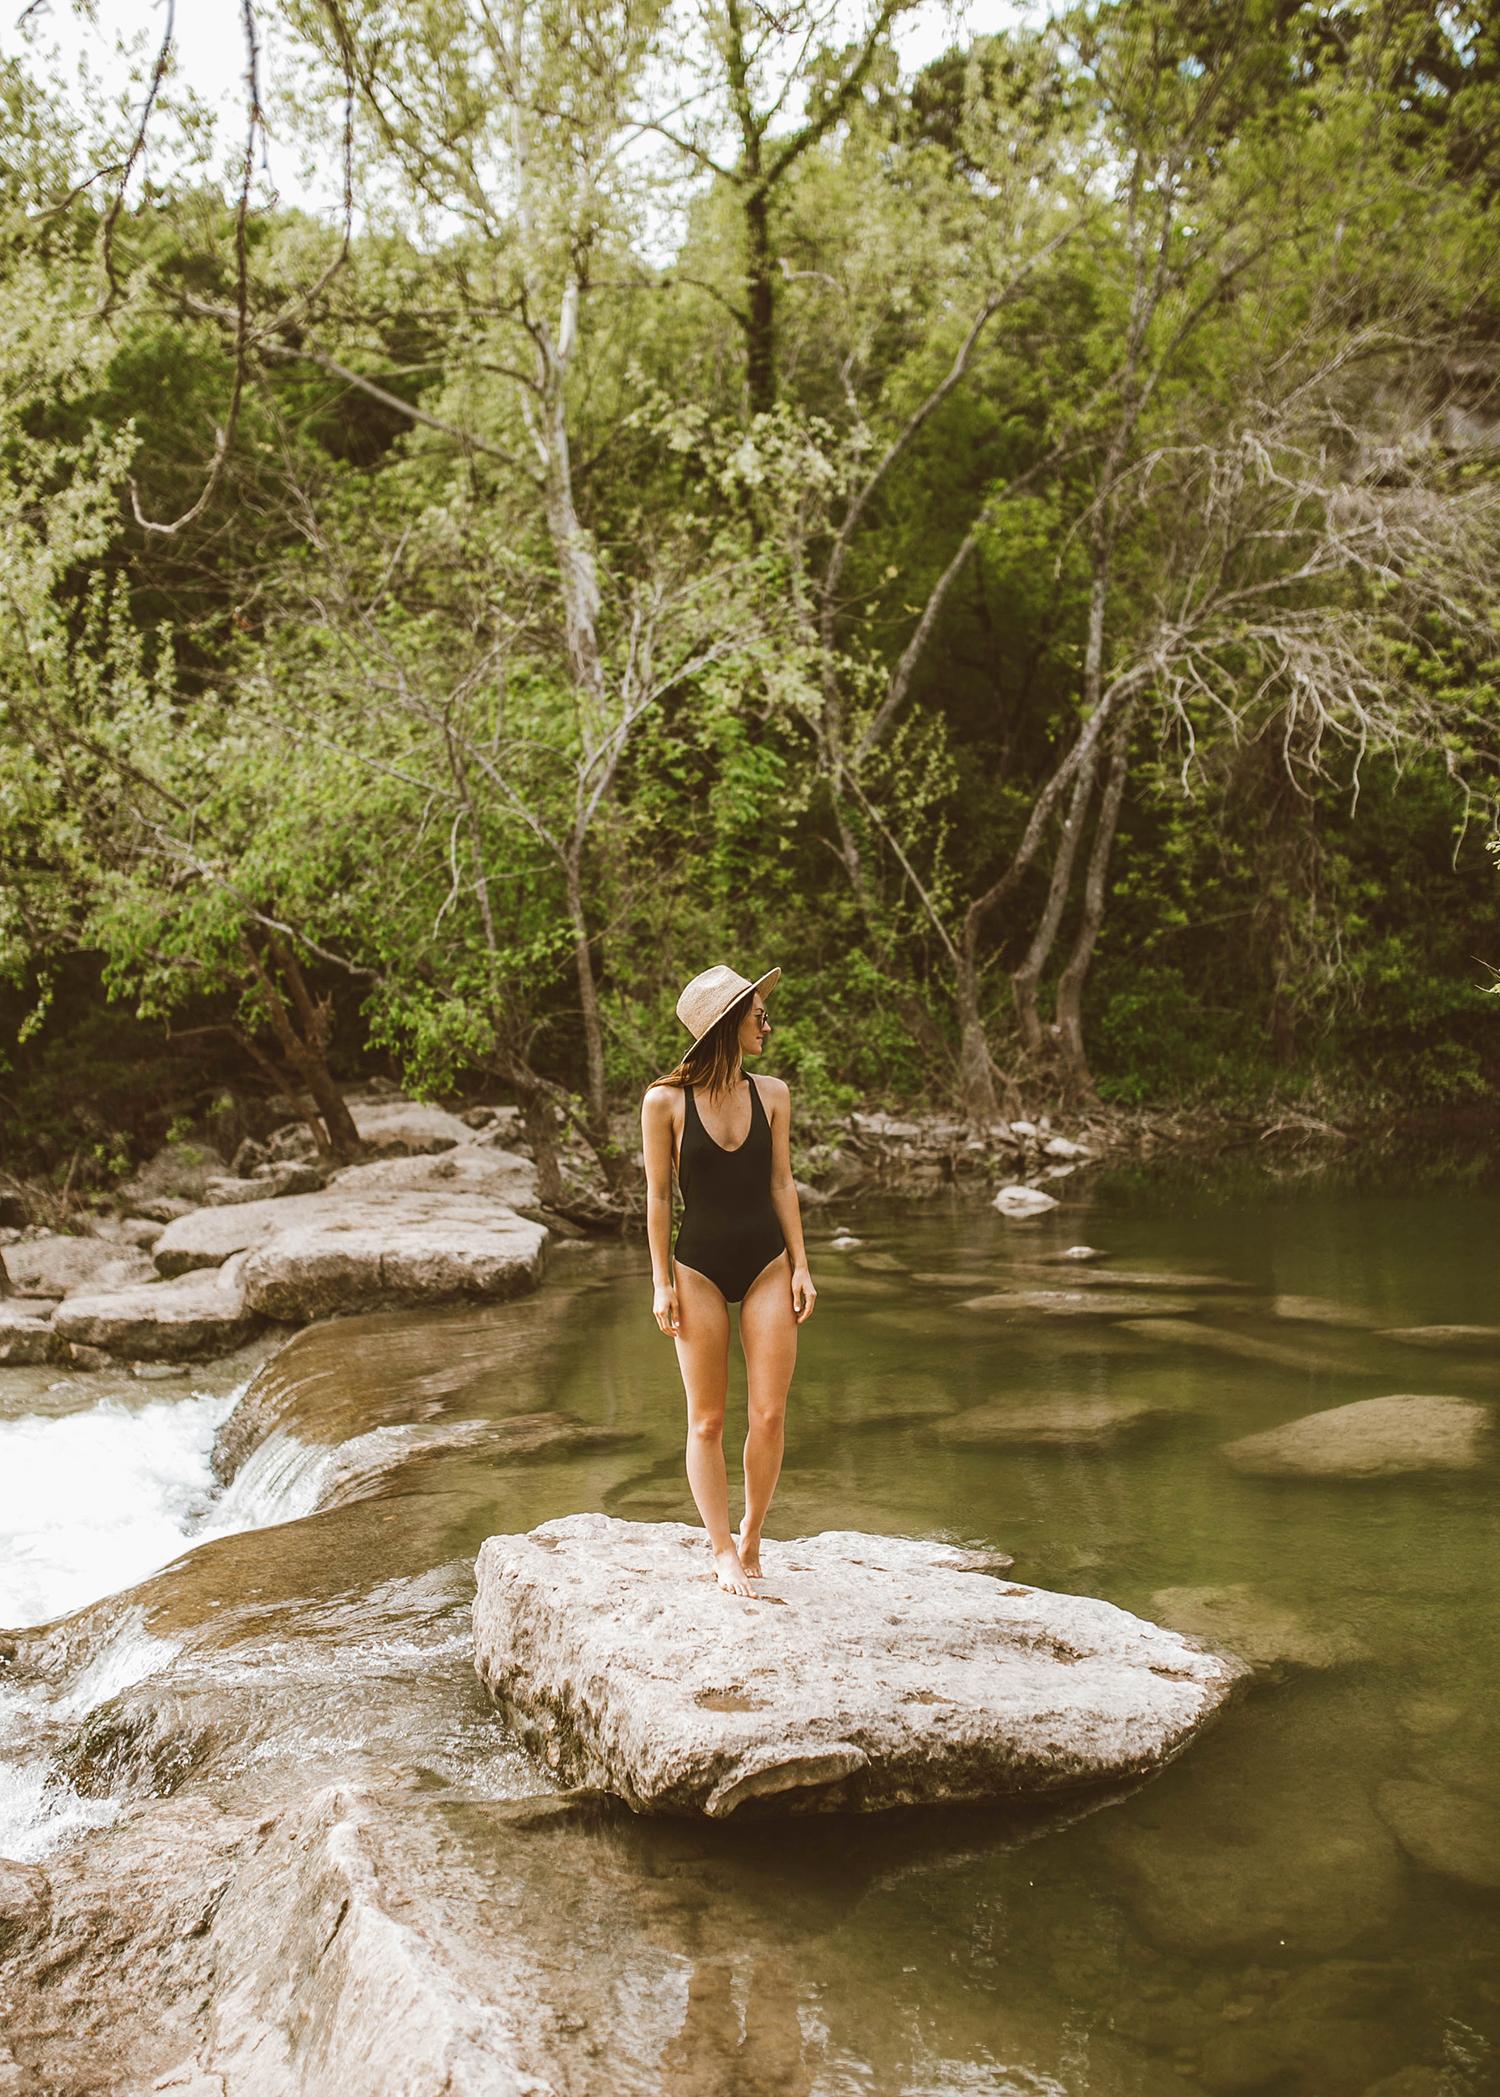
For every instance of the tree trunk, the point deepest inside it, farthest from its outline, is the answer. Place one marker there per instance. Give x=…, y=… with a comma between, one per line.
x=588, y=1005
x=760, y=305
x=541, y=1133
x=619, y=1174
x=333, y=1126
x=976, y=1072
x=1077, y=1078
x=1024, y=981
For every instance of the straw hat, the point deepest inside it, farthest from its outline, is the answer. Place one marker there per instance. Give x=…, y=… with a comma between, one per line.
x=709, y=996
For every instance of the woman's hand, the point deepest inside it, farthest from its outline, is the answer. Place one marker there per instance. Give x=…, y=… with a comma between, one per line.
x=664, y=1308
x=804, y=1295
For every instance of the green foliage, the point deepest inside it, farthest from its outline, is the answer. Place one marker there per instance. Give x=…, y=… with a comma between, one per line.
x=583, y=675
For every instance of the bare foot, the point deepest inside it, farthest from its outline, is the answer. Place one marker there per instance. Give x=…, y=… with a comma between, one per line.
x=748, y=1545
x=730, y=1573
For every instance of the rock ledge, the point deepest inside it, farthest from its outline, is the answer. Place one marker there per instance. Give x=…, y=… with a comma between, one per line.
x=872, y=1672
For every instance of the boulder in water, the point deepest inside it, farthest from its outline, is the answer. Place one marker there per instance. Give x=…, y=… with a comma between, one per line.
x=868, y=1672
x=1373, y=1438
x=1444, y=1831
x=197, y=1314
x=1023, y=1201
x=1270, y=1862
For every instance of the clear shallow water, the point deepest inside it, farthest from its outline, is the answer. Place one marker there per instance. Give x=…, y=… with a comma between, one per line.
x=1246, y=1921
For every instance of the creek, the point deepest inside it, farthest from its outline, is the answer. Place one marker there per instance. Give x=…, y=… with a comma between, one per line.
x=293, y=1613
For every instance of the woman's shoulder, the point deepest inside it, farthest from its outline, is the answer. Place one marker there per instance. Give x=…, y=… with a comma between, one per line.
x=660, y=1099
x=776, y=1090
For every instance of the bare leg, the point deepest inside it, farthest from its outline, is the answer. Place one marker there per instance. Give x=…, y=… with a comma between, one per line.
x=768, y=1334
x=703, y=1357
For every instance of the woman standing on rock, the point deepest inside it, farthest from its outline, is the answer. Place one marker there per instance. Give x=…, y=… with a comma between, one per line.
x=730, y=1137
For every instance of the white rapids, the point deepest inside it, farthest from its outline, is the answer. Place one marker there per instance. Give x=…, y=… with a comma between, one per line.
x=90, y=1503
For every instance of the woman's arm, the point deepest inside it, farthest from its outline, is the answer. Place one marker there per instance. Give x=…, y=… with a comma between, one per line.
x=784, y=1196
x=657, y=1132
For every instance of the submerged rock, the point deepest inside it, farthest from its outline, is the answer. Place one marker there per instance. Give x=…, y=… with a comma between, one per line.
x=1481, y=1337
x=1214, y=1339
x=1261, y=1863
x=1373, y=1438
x=1054, y=1423
x=869, y=1672
x=197, y=1314
x=1318, y=1310
x=1257, y=1630
x=1082, y=1303
x=1444, y=1831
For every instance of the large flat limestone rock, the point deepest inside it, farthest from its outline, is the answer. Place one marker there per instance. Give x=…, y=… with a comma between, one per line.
x=373, y=1238
x=391, y=1249
x=1374, y=1438
x=871, y=1672
x=500, y=1174
x=197, y=1314
x=56, y=1267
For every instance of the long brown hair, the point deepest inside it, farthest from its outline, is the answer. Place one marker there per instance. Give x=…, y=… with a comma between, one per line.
x=713, y=1063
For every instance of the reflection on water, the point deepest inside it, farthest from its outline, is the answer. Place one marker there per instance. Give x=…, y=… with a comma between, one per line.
x=1308, y=1903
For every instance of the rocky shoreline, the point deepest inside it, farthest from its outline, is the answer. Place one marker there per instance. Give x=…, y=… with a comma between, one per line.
x=195, y=1255
x=440, y=1212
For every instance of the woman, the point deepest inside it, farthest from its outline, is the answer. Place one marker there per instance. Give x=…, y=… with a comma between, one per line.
x=730, y=1137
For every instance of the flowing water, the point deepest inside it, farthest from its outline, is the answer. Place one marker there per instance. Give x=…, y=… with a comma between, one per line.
x=1247, y=1920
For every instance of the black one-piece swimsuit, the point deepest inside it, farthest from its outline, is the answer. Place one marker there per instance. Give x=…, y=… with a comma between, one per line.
x=729, y=1229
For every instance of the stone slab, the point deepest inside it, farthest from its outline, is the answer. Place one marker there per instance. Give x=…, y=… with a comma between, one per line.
x=472, y=1169
x=869, y=1672
x=197, y=1314
x=1373, y=1438
x=385, y=1250
x=26, y=1336
x=57, y=1267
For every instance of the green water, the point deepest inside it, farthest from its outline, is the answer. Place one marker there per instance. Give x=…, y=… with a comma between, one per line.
x=1246, y=1921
